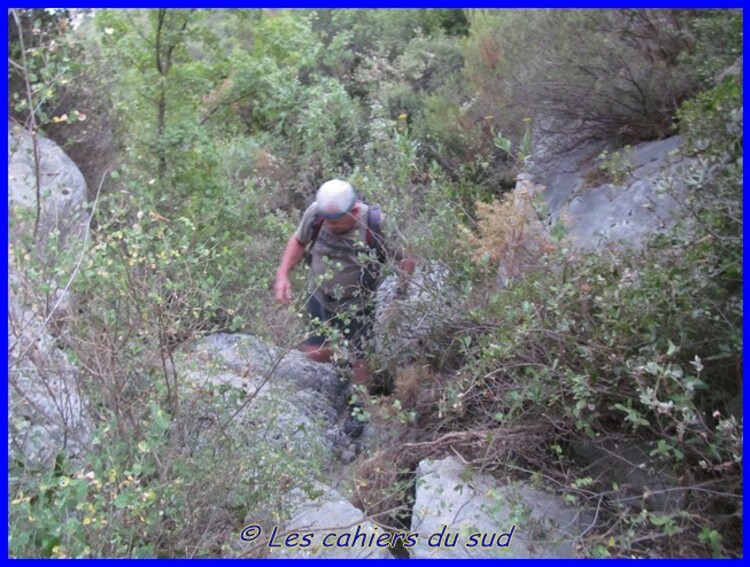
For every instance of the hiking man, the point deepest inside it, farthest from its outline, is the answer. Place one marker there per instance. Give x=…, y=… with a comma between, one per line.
x=346, y=253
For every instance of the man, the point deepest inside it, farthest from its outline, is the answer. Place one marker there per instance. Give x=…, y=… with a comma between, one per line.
x=344, y=272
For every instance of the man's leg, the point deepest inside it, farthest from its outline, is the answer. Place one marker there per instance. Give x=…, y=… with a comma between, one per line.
x=360, y=330
x=359, y=334
x=314, y=346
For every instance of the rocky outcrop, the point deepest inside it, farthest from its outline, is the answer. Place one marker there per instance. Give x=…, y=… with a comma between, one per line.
x=280, y=404
x=406, y=326
x=646, y=201
x=47, y=414
x=330, y=527
x=291, y=402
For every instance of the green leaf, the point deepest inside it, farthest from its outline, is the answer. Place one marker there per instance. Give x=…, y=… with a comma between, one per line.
x=49, y=545
x=672, y=349
x=161, y=420
x=661, y=520
x=467, y=474
x=122, y=500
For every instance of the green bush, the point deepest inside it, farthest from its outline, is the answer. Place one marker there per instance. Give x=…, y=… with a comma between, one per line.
x=43, y=61
x=626, y=347
x=166, y=490
x=600, y=352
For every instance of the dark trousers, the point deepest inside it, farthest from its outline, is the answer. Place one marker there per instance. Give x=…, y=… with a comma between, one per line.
x=356, y=327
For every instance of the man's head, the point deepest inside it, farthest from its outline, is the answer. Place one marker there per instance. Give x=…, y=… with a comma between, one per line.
x=337, y=204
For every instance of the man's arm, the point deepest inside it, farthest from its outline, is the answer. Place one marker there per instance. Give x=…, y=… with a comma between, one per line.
x=292, y=255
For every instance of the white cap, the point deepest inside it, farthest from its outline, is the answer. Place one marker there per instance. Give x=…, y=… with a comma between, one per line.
x=335, y=199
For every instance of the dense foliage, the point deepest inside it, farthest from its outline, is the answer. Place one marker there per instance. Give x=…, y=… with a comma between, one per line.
x=204, y=133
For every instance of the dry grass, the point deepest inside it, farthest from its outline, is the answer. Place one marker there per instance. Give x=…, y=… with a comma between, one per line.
x=512, y=237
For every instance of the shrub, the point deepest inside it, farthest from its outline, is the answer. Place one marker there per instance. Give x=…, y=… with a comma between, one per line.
x=511, y=237
x=43, y=63
x=599, y=352
x=173, y=487
x=612, y=75
x=622, y=347
x=612, y=167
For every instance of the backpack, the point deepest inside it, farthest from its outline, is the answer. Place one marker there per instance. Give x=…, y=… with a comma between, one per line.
x=373, y=240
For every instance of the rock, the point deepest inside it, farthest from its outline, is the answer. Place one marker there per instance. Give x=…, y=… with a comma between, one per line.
x=242, y=355
x=62, y=189
x=280, y=411
x=459, y=513
x=407, y=326
x=632, y=212
x=47, y=415
x=335, y=529
x=646, y=203
x=288, y=400
x=735, y=70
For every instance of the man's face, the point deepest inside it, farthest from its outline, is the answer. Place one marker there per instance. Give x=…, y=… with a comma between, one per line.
x=343, y=224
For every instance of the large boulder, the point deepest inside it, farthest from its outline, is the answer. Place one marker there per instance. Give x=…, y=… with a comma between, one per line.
x=406, y=327
x=290, y=401
x=277, y=405
x=61, y=188
x=47, y=415
x=461, y=513
x=326, y=525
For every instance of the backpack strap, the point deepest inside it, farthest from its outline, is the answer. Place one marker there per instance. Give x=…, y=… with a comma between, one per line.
x=317, y=224
x=374, y=239
x=373, y=236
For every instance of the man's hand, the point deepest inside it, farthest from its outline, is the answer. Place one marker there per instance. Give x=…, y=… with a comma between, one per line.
x=292, y=255
x=283, y=289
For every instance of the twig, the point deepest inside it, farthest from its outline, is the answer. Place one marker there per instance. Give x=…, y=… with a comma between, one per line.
x=32, y=122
